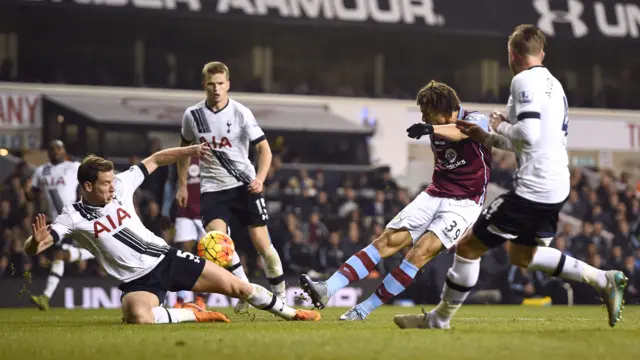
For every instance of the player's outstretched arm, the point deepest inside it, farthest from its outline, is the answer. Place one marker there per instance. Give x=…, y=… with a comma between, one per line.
x=172, y=155
x=449, y=132
x=41, y=239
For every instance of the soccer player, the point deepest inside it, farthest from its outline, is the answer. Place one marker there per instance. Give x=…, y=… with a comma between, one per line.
x=105, y=222
x=230, y=185
x=436, y=218
x=536, y=129
x=57, y=181
x=188, y=223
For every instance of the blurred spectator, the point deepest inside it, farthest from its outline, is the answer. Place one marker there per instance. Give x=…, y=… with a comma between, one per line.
x=624, y=239
x=579, y=242
x=616, y=261
x=575, y=206
x=315, y=232
x=631, y=272
x=521, y=284
x=349, y=204
x=559, y=242
x=298, y=255
x=323, y=207
x=377, y=207
x=332, y=255
x=154, y=221
x=387, y=182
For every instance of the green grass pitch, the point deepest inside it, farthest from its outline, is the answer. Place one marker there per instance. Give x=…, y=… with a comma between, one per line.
x=479, y=332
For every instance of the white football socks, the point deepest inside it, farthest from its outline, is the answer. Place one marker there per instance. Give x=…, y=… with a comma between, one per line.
x=263, y=299
x=461, y=277
x=164, y=315
x=57, y=270
x=273, y=270
x=555, y=263
x=236, y=267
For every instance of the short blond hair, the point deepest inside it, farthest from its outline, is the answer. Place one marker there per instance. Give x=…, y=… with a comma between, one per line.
x=215, y=67
x=527, y=40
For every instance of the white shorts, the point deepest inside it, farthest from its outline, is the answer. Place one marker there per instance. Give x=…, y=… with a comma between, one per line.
x=188, y=230
x=447, y=218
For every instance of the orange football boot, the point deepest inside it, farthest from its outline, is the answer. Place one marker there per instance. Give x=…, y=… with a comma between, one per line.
x=306, y=315
x=206, y=316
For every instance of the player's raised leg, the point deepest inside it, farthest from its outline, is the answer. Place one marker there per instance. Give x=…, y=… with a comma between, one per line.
x=407, y=226
x=611, y=284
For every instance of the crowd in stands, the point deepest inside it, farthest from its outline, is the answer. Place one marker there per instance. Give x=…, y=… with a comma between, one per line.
x=617, y=91
x=319, y=218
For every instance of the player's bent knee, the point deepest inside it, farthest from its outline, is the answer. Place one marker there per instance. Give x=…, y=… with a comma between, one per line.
x=427, y=247
x=391, y=241
x=61, y=255
x=140, y=317
x=217, y=225
x=470, y=247
x=521, y=255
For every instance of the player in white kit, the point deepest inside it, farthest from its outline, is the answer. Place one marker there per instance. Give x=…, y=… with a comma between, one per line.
x=230, y=186
x=536, y=129
x=57, y=181
x=105, y=222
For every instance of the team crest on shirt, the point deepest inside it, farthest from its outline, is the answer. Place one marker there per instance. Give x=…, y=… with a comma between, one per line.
x=193, y=174
x=525, y=97
x=450, y=155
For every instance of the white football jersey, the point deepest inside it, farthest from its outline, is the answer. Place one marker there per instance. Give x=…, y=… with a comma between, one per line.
x=59, y=183
x=114, y=234
x=230, y=131
x=543, y=167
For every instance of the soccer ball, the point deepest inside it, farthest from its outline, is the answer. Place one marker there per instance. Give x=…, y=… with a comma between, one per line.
x=218, y=247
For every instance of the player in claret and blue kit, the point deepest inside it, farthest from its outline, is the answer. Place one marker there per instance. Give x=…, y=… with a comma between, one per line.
x=105, y=222
x=436, y=219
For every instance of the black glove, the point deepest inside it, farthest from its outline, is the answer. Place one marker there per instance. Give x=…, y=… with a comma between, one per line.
x=416, y=131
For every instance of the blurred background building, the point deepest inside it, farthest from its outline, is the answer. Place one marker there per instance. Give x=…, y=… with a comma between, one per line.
x=332, y=83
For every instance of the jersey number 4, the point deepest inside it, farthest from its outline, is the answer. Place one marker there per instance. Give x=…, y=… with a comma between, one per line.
x=493, y=207
x=565, y=122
